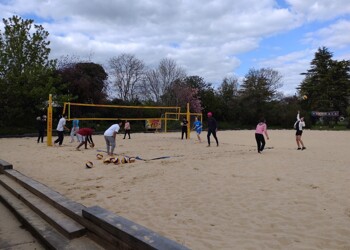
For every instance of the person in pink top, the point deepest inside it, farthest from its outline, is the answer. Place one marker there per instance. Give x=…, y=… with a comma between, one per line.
x=261, y=129
x=127, y=129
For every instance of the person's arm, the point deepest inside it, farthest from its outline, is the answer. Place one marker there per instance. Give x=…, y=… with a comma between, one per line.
x=265, y=131
x=298, y=116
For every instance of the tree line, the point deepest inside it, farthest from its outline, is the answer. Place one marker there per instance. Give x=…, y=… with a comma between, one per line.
x=28, y=76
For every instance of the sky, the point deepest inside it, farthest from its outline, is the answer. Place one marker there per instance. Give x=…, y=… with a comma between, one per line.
x=211, y=39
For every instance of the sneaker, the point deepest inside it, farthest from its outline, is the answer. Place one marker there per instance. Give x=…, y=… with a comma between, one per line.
x=303, y=148
x=299, y=148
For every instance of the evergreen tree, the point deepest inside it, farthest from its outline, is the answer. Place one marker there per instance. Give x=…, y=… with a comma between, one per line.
x=326, y=83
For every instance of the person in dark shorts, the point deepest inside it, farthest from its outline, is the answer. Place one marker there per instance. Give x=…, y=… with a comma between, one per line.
x=298, y=125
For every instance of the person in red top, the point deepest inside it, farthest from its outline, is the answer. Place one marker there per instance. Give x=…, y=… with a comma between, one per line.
x=261, y=129
x=85, y=136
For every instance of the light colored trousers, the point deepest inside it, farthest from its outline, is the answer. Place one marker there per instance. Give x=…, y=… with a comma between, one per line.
x=73, y=132
x=110, y=143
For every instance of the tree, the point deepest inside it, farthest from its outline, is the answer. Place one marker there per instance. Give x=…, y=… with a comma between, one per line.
x=152, y=86
x=228, y=96
x=258, y=88
x=169, y=72
x=128, y=72
x=157, y=81
x=179, y=93
x=205, y=92
x=86, y=82
x=26, y=73
x=326, y=83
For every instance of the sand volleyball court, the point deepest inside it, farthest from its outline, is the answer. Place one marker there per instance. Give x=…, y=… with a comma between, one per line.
x=226, y=197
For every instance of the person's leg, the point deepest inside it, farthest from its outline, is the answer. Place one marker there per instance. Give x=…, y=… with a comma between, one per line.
x=60, y=137
x=262, y=143
x=75, y=133
x=125, y=134
x=84, y=138
x=129, y=134
x=297, y=138
x=198, y=136
x=257, y=139
x=186, y=133
x=302, y=143
x=107, y=144
x=81, y=144
x=208, y=137
x=112, y=144
x=42, y=136
x=79, y=138
x=57, y=140
x=216, y=139
x=72, y=133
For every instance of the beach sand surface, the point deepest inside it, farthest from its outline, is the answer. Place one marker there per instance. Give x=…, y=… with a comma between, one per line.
x=226, y=197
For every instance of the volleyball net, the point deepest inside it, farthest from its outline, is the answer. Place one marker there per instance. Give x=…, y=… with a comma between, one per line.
x=104, y=112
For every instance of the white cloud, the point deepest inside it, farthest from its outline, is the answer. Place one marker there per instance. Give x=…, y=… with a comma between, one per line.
x=320, y=9
x=290, y=66
x=333, y=36
x=205, y=37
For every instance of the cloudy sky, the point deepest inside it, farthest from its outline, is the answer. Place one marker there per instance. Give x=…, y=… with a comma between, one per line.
x=212, y=39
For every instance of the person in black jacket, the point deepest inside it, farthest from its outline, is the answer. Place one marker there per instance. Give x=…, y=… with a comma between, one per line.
x=212, y=128
x=41, y=127
x=184, y=125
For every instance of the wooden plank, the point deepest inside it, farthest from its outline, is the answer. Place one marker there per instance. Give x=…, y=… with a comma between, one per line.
x=64, y=224
x=47, y=235
x=5, y=165
x=132, y=234
x=68, y=207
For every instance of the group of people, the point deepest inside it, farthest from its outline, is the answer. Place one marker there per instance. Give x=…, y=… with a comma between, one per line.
x=261, y=130
x=84, y=135
x=197, y=126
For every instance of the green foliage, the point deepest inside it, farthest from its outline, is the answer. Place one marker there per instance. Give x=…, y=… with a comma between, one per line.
x=86, y=82
x=26, y=75
x=228, y=97
x=326, y=83
x=259, y=88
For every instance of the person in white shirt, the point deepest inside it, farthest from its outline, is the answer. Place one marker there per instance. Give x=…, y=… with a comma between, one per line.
x=110, y=135
x=61, y=126
x=298, y=125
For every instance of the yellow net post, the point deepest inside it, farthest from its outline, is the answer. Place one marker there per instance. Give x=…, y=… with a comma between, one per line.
x=49, y=122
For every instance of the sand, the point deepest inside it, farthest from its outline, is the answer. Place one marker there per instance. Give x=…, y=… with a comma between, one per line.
x=226, y=197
